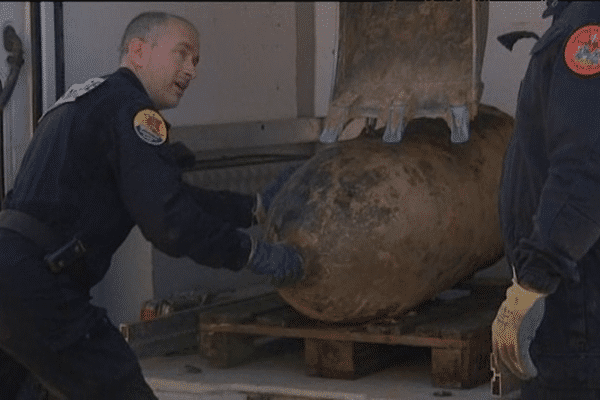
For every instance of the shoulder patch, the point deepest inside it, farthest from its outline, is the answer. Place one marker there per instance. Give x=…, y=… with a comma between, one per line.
x=76, y=91
x=150, y=127
x=582, y=51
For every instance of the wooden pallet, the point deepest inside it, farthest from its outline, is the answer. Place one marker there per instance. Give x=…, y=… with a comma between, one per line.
x=457, y=331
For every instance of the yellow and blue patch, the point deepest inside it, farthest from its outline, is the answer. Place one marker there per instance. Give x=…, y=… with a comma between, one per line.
x=150, y=127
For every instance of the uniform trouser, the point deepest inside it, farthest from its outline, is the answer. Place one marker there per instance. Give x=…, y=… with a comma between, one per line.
x=49, y=330
x=566, y=348
x=534, y=391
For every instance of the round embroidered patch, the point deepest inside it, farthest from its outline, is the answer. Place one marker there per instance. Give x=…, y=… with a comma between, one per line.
x=150, y=127
x=582, y=52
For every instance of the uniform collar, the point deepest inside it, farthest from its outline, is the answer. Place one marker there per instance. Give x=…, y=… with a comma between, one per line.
x=555, y=8
x=127, y=73
x=130, y=76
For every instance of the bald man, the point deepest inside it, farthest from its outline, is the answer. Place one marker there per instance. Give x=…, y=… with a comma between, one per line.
x=100, y=163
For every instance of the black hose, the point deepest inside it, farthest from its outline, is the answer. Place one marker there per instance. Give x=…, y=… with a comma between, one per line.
x=59, y=48
x=36, y=63
x=244, y=160
x=13, y=45
x=1, y=153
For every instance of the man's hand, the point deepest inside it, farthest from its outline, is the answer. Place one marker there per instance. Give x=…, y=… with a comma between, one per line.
x=282, y=262
x=265, y=199
x=515, y=327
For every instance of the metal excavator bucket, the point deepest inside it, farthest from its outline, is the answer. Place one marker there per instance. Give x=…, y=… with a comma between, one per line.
x=403, y=60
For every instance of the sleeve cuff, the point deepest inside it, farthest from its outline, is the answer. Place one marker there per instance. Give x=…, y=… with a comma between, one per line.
x=538, y=276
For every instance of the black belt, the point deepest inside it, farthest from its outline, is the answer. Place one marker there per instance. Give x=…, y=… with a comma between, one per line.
x=31, y=228
x=45, y=237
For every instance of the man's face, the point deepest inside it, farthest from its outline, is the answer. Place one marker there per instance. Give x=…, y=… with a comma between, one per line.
x=169, y=66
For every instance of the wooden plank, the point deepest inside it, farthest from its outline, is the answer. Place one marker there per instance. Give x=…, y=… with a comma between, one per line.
x=163, y=336
x=463, y=368
x=331, y=334
x=225, y=350
x=284, y=317
x=457, y=331
x=242, y=312
x=178, y=332
x=228, y=349
x=330, y=358
x=347, y=359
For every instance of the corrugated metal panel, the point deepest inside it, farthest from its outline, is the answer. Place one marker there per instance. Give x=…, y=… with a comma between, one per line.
x=242, y=179
x=246, y=170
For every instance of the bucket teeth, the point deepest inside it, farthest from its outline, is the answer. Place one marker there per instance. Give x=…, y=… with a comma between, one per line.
x=460, y=130
x=334, y=123
x=395, y=124
x=428, y=57
x=370, y=124
x=338, y=115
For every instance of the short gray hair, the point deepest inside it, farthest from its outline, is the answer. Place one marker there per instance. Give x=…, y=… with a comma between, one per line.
x=144, y=27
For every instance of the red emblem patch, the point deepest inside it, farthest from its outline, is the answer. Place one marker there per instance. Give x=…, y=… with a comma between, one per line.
x=582, y=52
x=154, y=123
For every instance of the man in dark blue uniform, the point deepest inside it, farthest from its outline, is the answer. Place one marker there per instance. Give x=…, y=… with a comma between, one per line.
x=547, y=332
x=98, y=164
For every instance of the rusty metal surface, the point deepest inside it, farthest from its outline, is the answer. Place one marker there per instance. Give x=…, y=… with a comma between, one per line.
x=384, y=227
x=421, y=56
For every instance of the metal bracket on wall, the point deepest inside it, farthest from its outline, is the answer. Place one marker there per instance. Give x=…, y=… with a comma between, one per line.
x=14, y=47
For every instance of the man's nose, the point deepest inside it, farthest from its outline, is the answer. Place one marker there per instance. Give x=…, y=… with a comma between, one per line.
x=190, y=70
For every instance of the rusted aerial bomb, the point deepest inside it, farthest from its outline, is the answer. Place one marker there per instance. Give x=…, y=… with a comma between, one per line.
x=383, y=227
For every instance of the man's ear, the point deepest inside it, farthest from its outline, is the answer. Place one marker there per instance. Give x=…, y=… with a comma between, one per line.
x=139, y=52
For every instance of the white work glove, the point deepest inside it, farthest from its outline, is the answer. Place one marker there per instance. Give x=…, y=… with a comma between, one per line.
x=514, y=328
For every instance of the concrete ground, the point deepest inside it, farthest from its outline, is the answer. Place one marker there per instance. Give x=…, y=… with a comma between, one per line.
x=281, y=376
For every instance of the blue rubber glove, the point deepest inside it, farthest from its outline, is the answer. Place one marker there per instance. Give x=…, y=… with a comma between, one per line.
x=271, y=190
x=282, y=262
x=265, y=199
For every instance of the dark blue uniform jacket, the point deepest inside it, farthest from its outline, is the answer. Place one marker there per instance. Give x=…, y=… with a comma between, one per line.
x=87, y=173
x=549, y=203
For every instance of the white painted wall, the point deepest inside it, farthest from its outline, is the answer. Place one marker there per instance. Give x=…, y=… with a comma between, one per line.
x=128, y=282
x=326, y=43
x=247, y=61
x=503, y=70
x=48, y=55
x=17, y=125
